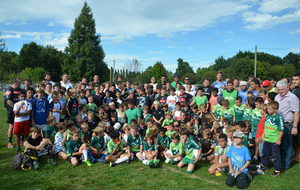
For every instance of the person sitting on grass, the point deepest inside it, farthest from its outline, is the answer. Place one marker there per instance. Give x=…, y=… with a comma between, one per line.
x=150, y=152
x=221, y=161
x=176, y=151
x=116, y=150
x=97, y=145
x=192, y=151
x=37, y=144
x=59, y=142
x=134, y=144
x=76, y=149
x=163, y=142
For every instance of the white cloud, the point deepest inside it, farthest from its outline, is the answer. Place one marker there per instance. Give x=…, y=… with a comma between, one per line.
x=295, y=31
x=191, y=47
x=170, y=47
x=275, y=6
x=156, y=52
x=50, y=24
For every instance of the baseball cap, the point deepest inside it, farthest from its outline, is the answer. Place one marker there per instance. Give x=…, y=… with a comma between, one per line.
x=117, y=126
x=220, y=99
x=238, y=134
x=176, y=75
x=266, y=83
x=243, y=83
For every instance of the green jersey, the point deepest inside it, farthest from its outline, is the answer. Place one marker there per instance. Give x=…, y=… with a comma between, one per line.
x=85, y=137
x=255, y=120
x=169, y=134
x=68, y=137
x=132, y=114
x=245, y=142
x=177, y=148
x=91, y=107
x=111, y=147
x=50, y=133
x=273, y=125
x=190, y=145
x=152, y=147
x=166, y=122
x=230, y=96
x=163, y=142
x=134, y=143
x=73, y=146
x=98, y=143
x=217, y=110
x=195, y=129
x=203, y=100
x=228, y=113
x=221, y=151
x=239, y=112
x=248, y=114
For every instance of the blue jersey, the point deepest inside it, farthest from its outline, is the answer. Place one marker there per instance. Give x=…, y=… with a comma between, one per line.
x=238, y=157
x=243, y=95
x=219, y=86
x=40, y=109
x=255, y=93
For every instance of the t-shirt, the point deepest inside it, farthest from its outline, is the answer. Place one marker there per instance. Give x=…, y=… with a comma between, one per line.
x=91, y=107
x=260, y=127
x=255, y=93
x=50, y=133
x=73, y=105
x=206, y=145
x=190, y=145
x=34, y=142
x=40, y=111
x=157, y=113
x=132, y=114
x=243, y=95
x=207, y=91
x=98, y=99
x=219, y=86
x=147, y=147
x=220, y=151
x=85, y=137
x=134, y=143
x=248, y=114
x=56, y=106
x=183, y=98
x=13, y=95
x=213, y=101
x=255, y=120
x=111, y=147
x=239, y=157
x=239, y=112
x=25, y=107
x=177, y=148
x=83, y=100
x=273, y=125
x=143, y=101
x=120, y=116
x=169, y=134
x=217, y=110
x=171, y=101
x=228, y=113
x=203, y=100
x=166, y=122
x=163, y=142
x=73, y=146
x=98, y=143
x=58, y=146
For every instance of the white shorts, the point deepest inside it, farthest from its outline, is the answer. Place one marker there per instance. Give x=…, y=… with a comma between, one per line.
x=42, y=127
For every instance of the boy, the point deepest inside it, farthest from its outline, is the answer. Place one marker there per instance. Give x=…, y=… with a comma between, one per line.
x=75, y=149
x=40, y=110
x=132, y=113
x=51, y=130
x=162, y=97
x=55, y=107
x=238, y=159
x=91, y=106
x=249, y=107
x=134, y=144
x=200, y=98
x=176, y=150
x=99, y=95
x=207, y=150
x=163, y=142
x=157, y=113
x=241, y=126
x=172, y=100
x=273, y=132
x=184, y=97
x=221, y=161
x=73, y=104
x=239, y=109
x=143, y=99
x=168, y=120
x=115, y=149
x=37, y=144
x=22, y=111
x=217, y=109
x=97, y=145
x=213, y=99
x=150, y=152
x=91, y=123
x=227, y=112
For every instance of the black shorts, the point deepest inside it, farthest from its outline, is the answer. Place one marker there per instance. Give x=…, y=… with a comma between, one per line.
x=242, y=181
x=77, y=157
x=10, y=118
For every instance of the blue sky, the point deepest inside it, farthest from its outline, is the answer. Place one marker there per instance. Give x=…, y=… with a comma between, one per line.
x=160, y=30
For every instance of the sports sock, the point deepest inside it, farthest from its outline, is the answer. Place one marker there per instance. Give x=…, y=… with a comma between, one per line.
x=103, y=156
x=85, y=157
x=175, y=159
x=90, y=155
x=9, y=139
x=120, y=160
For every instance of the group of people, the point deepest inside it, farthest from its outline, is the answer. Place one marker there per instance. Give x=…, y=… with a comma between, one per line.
x=240, y=127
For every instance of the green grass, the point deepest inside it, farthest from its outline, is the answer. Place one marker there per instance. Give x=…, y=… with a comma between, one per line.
x=124, y=176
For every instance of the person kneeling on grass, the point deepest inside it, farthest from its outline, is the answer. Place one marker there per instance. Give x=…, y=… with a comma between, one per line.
x=36, y=144
x=238, y=159
x=116, y=150
x=176, y=151
x=134, y=144
x=150, y=151
x=192, y=151
x=75, y=149
x=221, y=161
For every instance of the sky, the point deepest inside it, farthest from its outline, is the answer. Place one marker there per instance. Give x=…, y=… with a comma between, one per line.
x=198, y=31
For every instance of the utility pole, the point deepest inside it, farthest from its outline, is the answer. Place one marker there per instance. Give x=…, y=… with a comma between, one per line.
x=113, y=75
x=255, y=61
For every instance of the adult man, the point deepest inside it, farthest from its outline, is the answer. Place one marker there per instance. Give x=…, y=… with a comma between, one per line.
x=230, y=93
x=267, y=85
x=11, y=96
x=47, y=77
x=27, y=83
x=219, y=83
x=289, y=110
x=207, y=89
x=176, y=80
x=163, y=81
x=153, y=83
x=65, y=81
x=243, y=91
x=296, y=91
x=186, y=82
x=96, y=80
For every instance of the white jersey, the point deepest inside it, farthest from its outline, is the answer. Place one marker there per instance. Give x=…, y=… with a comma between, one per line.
x=171, y=101
x=25, y=107
x=58, y=146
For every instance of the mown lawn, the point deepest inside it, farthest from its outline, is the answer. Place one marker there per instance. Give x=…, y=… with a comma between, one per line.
x=125, y=176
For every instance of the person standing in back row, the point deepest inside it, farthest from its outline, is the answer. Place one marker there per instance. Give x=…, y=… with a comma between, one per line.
x=219, y=83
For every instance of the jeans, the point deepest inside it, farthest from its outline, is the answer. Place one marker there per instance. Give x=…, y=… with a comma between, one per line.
x=287, y=146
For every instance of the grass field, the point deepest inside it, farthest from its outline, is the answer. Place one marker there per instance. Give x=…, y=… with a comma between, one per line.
x=125, y=176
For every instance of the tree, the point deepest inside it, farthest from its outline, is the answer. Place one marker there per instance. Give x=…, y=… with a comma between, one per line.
x=132, y=68
x=84, y=53
x=293, y=58
x=30, y=56
x=157, y=71
x=183, y=67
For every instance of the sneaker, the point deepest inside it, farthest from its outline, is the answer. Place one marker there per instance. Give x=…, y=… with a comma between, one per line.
x=145, y=162
x=260, y=172
x=93, y=160
x=51, y=161
x=275, y=173
x=36, y=165
x=88, y=163
x=218, y=174
x=155, y=164
x=167, y=160
x=102, y=161
x=10, y=145
x=265, y=168
x=112, y=164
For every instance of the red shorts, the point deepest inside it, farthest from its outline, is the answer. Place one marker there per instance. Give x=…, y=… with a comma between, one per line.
x=94, y=153
x=22, y=127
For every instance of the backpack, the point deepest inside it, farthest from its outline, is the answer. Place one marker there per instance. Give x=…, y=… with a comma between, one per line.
x=24, y=160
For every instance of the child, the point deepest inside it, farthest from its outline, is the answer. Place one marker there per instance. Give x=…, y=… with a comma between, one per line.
x=227, y=112
x=213, y=99
x=55, y=106
x=200, y=98
x=249, y=107
x=207, y=151
x=134, y=144
x=143, y=99
x=97, y=145
x=101, y=113
x=229, y=133
x=51, y=130
x=274, y=129
x=75, y=149
x=82, y=109
x=168, y=120
x=115, y=149
x=143, y=129
x=192, y=151
x=238, y=159
x=170, y=131
x=172, y=100
x=59, y=143
x=126, y=129
x=99, y=95
x=239, y=109
x=165, y=108
x=184, y=97
x=260, y=127
x=78, y=121
x=163, y=142
x=241, y=126
x=217, y=109
x=22, y=111
x=225, y=124
x=113, y=119
x=82, y=98
x=150, y=152
x=91, y=106
x=195, y=113
x=37, y=144
x=91, y=123
x=121, y=114
x=85, y=134
x=162, y=98
x=264, y=95
x=221, y=162
x=146, y=115
x=73, y=104
x=177, y=111
x=176, y=151
x=157, y=113
x=187, y=110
